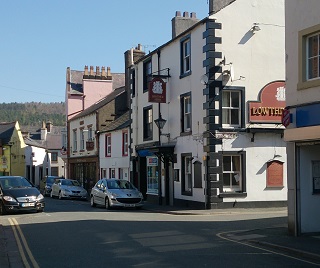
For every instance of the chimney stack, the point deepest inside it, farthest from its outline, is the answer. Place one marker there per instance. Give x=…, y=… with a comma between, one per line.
x=181, y=24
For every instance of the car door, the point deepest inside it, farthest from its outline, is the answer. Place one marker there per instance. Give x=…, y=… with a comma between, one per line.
x=101, y=192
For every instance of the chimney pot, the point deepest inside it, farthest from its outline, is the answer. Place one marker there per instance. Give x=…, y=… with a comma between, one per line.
x=193, y=15
x=178, y=14
x=186, y=14
x=108, y=72
x=86, y=72
x=97, y=71
x=103, y=71
x=91, y=70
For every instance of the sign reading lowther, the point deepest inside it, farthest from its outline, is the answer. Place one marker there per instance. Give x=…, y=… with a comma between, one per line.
x=269, y=108
x=157, y=90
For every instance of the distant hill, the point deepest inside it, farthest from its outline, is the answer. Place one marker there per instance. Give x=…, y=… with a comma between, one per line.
x=33, y=113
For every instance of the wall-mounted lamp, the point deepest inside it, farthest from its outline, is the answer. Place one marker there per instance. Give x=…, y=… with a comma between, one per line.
x=160, y=122
x=255, y=28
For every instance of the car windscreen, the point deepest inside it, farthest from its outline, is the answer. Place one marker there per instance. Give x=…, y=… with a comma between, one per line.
x=120, y=184
x=70, y=183
x=12, y=182
x=50, y=179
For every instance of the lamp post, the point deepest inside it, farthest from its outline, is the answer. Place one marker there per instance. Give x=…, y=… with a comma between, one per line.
x=160, y=122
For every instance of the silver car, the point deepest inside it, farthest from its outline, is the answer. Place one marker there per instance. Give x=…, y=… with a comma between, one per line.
x=115, y=193
x=65, y=188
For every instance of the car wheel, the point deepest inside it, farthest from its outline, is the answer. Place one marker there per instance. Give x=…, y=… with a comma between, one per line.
x=108, y=203
x=60, y=195
x=92, y=203
x=2, y=209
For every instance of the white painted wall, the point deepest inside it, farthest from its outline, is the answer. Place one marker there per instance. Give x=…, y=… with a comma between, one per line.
x=259, y=57
x=117, y=160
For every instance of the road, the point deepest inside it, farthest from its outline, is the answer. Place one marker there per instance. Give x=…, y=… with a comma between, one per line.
x=72, y=234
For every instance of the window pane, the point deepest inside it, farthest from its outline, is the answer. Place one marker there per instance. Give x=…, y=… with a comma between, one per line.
x=235, y=100
x=226, y=179
x=313, y=46
x=227, y=163
x=234, y=117
x=236, y=163
x=225, y=116
x=226, y=99
x=187, y=122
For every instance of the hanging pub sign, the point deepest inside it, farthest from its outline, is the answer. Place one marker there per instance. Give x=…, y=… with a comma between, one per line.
x=157, y=90
x=269, y=108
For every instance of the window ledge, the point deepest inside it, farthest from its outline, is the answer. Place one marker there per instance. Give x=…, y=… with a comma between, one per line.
x=233, y=194
x=186, y=133
x=187, y=193
x=185, y=74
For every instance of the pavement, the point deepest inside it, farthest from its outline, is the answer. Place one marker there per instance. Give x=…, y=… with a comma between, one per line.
x=275, y=239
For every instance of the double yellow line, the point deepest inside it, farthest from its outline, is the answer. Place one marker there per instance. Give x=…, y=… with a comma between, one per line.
x=22, y=245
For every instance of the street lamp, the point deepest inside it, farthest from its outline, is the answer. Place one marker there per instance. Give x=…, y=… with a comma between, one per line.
x=160, y=122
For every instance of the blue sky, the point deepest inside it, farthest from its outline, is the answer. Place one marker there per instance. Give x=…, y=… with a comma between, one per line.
x=39, y=39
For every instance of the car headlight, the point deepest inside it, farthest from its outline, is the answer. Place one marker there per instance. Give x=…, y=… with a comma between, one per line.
x=114, y=195
x=9, y=198
x=141, y=195
x=39, y=197
x=83, y=191
x=65, y=190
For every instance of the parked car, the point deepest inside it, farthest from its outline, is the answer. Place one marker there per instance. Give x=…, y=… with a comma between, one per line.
x=66, y=188
x=115, y=193
x=46, y=184
x=18, y=194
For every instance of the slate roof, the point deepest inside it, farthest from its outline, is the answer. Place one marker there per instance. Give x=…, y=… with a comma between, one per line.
x=53, y=141
x=6, y=131
x=100, y=103
x=121, y=122
x=76, y=85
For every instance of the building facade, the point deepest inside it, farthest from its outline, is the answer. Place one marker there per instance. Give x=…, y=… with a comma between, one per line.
x=114, y=149
x=84, y=134
x=302, y=120
x=12, y=148
x=218, y=85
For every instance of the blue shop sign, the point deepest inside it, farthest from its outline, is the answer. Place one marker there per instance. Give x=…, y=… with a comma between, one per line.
x=307, y=116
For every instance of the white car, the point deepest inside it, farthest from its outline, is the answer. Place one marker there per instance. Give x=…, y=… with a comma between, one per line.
x=115, y=193
x=65, y=188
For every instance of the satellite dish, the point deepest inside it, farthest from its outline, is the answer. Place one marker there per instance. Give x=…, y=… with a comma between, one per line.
x=204, y=80
x=231, y=72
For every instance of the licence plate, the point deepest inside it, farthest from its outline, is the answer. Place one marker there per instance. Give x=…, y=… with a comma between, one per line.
x=27, y=205
x=129, y=205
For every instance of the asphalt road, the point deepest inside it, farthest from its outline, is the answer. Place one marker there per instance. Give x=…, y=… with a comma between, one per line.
x=72, y=234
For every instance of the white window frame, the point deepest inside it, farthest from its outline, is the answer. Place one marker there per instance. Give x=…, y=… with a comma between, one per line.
x=315, y=58
x=81, y=140
x=230, y=109
x=75, y=141
x=235, y=176
x=108, y=145
x=125, y=144
x=187, y=113
x=186, y=56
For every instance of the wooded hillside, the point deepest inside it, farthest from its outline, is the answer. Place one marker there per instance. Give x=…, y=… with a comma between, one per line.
x=33, y=113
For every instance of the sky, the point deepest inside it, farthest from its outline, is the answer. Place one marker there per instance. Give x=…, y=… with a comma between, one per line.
x=39, y=39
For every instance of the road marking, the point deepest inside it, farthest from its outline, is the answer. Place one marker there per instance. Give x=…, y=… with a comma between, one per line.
x=15, y=226
x=223, y=235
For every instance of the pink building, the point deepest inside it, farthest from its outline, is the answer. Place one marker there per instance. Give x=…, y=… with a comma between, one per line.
x=85, y=88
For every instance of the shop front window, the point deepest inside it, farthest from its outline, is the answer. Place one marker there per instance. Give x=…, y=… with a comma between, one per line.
x=152, y=175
